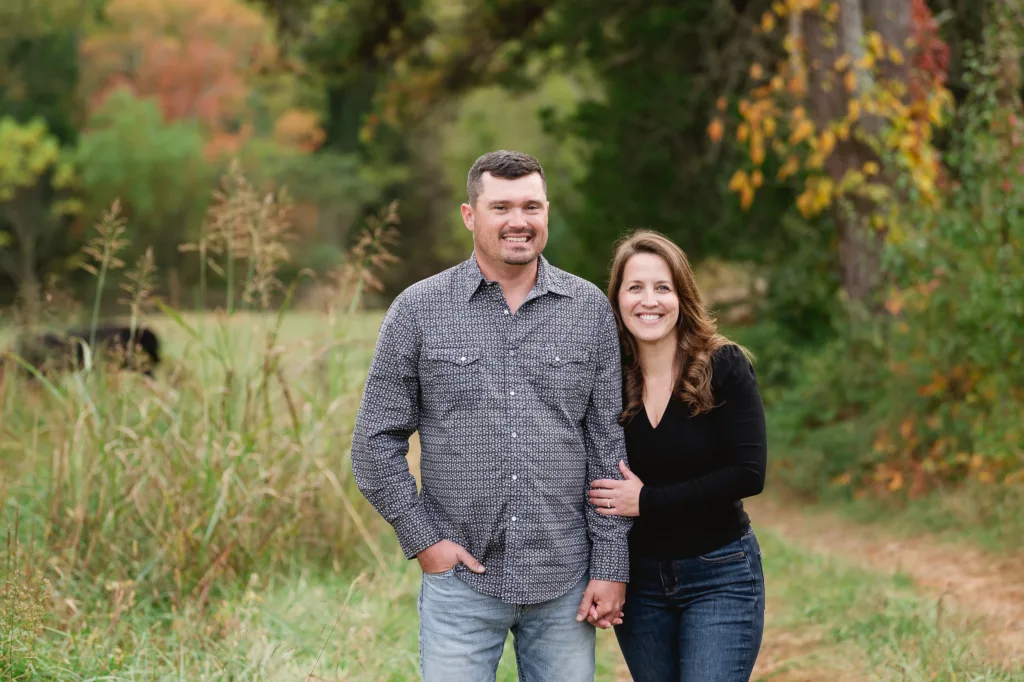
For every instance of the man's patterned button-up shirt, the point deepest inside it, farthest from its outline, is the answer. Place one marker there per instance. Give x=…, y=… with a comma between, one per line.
x=516, y=413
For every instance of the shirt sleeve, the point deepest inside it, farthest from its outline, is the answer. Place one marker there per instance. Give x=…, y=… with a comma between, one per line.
x=388, y=416
x=606, y=445
x=738, y=418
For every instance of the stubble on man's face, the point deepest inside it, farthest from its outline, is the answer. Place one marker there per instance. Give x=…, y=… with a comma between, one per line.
x=509, y=220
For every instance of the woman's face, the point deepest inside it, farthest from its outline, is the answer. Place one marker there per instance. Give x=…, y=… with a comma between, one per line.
x=647, y=298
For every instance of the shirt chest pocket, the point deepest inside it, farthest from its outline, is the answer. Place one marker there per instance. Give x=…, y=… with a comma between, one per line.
x=452, y=374
x=564, y=376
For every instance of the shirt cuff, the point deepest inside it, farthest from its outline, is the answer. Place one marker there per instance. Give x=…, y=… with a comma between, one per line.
x=610, y=561
x=415, y=531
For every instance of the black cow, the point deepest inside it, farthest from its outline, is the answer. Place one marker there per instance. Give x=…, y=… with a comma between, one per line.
x=65, y=351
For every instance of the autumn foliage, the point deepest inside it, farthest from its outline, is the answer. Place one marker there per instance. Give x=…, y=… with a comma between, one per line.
x=196, y=57
x=821, y=98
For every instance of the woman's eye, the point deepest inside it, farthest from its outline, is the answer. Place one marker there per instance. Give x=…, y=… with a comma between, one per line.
x=664, y=288
x=635, y=287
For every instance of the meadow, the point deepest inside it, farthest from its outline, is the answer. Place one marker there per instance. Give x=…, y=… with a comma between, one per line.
x=205, y=526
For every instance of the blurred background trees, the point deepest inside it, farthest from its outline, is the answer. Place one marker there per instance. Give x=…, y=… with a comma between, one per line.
x=850, y=167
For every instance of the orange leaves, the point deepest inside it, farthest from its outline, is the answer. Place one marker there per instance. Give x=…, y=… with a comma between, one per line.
x=194, y=56
x=743, y=184
x=850, y=81
x=300, y=129
x=716, y=130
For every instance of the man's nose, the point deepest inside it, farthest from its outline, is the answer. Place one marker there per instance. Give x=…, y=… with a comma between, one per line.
x=517, y=218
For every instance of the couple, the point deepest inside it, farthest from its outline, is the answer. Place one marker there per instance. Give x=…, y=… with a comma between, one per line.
x=531, y=517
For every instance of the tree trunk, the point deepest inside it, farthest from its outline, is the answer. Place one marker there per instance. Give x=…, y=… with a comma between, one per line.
x=828, y=101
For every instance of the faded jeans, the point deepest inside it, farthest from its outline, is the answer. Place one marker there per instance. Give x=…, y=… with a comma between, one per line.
x=463, y=632
x=699, y=619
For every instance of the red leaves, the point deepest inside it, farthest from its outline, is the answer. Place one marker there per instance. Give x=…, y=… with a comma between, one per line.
x=194, y=56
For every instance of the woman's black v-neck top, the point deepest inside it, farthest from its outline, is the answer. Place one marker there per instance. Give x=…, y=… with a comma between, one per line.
x=697, y=469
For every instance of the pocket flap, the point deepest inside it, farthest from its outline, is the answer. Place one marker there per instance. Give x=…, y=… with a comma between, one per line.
x=457, y=356
x=561, y=356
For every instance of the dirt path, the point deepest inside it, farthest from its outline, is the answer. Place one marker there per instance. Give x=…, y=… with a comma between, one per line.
x=986, y=588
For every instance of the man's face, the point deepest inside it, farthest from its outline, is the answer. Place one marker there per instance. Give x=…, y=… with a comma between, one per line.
x=510, y=219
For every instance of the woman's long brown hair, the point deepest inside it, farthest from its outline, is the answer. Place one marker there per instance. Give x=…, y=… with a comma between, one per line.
x=696, y=328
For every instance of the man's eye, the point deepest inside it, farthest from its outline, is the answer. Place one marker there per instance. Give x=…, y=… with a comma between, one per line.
x=499, y=208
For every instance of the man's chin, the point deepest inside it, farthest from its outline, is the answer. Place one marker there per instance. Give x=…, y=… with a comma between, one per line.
x=519, y=257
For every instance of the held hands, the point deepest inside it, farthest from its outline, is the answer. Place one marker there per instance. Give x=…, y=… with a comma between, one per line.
x=617, y=498
x=602, y=603
x=443, y=555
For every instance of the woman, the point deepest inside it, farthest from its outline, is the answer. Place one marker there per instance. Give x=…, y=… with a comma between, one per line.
x=696, y=442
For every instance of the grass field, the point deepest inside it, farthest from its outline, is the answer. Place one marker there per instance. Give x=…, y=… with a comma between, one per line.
x=205, y=527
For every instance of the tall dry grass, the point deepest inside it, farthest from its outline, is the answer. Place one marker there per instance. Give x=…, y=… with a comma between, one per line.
x=127, y=493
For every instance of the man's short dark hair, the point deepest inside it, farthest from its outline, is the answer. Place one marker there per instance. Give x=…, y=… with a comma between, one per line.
x=504, y=164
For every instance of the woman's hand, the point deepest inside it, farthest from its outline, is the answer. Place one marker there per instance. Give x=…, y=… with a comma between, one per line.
x=617, y=498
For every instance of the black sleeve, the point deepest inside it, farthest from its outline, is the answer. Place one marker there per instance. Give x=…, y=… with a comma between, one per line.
x=738, y=419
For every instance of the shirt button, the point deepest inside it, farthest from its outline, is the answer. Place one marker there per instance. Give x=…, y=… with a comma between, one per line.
x=512, y=352
x=506, y=311
x=513, y=518
x=511, y=392
x=513, y=434
x=557, y=359
x=463, y=359
x=514, y=477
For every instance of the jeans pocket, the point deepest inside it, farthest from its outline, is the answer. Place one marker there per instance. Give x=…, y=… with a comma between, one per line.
x=725, y=554
x=443, y=574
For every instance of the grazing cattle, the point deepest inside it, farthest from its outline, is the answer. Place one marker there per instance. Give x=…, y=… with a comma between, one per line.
x=50, y=351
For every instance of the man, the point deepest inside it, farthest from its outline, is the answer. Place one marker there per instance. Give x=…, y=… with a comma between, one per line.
x=509, y=368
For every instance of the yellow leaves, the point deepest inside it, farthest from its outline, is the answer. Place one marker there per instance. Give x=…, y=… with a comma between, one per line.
x=738, y=180
x=756, y=178
x=757, y=151
x=716, y=130
x=895, y=56
x=756, y=71
x=779, y=8
x=791, y=166
x=896, y=482
x=720, y=104
x=816, y=197
x=803, y=130
x=871, y=168
x=742, y=132
x=876, y=45
x=768, y=125
x=853, y=111
x=827, y=142
x=767, y=22
x=743, y=184
x=26, y=152
x=842, y=63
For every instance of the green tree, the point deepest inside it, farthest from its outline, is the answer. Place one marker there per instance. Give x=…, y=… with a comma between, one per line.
x=156, y=169
x=36, y=176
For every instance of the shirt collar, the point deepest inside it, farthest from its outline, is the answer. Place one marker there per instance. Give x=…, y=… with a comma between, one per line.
x=549, y=278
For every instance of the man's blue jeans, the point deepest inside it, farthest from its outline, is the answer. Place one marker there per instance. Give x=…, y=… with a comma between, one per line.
x=462, y=633
x=695, y=620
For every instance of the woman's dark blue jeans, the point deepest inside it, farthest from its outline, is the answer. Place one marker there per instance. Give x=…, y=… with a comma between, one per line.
x=696, y=620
